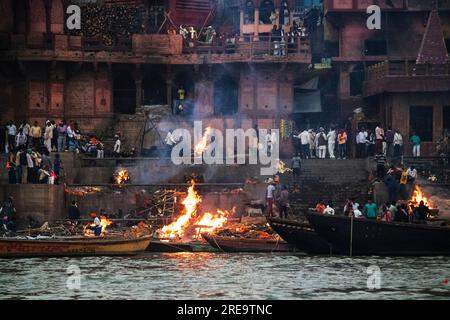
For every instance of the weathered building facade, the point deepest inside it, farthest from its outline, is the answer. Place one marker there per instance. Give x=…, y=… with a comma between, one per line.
x=124, y=57
x=399, y=75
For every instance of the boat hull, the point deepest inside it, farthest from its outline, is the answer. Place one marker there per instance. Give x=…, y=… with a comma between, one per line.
x=10, y=248
x=230, y=244
x=303, y=237
x=371, y=237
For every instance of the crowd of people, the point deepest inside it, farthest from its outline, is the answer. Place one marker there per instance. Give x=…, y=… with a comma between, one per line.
x=391, y=211
x=29, y=149
x=337, y=143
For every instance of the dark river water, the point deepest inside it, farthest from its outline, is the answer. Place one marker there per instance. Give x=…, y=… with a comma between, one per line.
x=225, y=276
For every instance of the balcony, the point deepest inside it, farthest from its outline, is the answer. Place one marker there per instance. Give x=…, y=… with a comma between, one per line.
x=406, y=76
x=155, y=48
x=397, y=5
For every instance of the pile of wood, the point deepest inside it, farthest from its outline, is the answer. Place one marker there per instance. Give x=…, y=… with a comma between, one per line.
x=254, y=231
x=161, y=203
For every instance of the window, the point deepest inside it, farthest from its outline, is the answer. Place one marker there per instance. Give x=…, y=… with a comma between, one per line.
x=375, y=47
x=265, y=10
x=446, y=117
x=249, y=13
x=357, y=80
x=421, y=122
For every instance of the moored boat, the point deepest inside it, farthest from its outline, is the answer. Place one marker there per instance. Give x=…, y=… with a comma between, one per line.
x=173, y=246
x=235, y=244
x=77, y=246
x=349, y=236
x=301, y=235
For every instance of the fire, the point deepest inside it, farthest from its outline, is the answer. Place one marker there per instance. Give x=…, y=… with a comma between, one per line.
x=192, y=220
x=105, y=222
x=418, y=196
x=203, y=144
x=281, y=167
x=122, y=176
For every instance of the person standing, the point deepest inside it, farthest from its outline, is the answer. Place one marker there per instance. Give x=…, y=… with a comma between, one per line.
x=62, y=132
x=117, y=146
x=12, y=132
x=370, y=210
x=283, y=202
x=312, y=144
x=296, y=167
x=21, y=140
x=74, y=212
x=390, y=135
x=331, y=138
x=57, y=167
x=379, y=139
x=304, y=140
x=415, y=142
x=361, y=141
x=380, y=160
x=398, y=144
x=25, y=126
x=30, y=167
x=36, y=135
x=322, y=143
x=54, y=136
x=270, y=195
x=48, y=135
x=7, y=212
x=342, y=144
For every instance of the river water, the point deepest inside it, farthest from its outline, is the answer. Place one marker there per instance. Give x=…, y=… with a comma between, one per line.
x=225, y=276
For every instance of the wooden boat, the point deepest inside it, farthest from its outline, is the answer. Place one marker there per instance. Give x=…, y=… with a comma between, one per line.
x=231, y=244
x=301, y=235
x=173, y=246
x=77, y=246
x=370, y=237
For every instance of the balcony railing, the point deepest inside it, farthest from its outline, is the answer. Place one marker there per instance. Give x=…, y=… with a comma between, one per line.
x=255, y=46
x=394, y=5
x=239, y=47
x=405, y=69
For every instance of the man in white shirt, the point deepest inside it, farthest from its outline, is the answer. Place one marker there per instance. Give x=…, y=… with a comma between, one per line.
x=331, y=137
x=398, y=143
x=412, y=173
x=361, y=141
x=379, y=139
x=270, y=195
x=117, y=146
x=357, y=213
x=304, y=139
x=329, y=210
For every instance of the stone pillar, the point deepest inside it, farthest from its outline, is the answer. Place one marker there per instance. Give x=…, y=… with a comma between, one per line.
x=138, y=82
x=241, y=22
x=256, y=24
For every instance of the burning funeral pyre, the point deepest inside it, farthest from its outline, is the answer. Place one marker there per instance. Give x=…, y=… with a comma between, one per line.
x=121, y=177
x=192, y=221
x=89, y=228
x=419, y=196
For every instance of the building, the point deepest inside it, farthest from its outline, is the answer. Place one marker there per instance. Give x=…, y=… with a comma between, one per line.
x=399, y=75
x=130, y=53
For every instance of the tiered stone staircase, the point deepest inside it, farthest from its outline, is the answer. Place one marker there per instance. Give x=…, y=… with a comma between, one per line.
x=326, y=180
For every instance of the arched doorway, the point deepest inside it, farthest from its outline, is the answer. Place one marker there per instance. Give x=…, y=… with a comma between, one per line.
x=249, y=12
x=226, y=95
x=284, y=13
x=124, y=94
x=154, y=90
x=265, y=10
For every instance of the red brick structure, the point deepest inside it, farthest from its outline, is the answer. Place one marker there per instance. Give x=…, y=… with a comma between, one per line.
x=130, y=60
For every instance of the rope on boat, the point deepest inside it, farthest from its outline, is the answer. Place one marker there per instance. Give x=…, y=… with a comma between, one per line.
x=351, y=236
x=219, y=247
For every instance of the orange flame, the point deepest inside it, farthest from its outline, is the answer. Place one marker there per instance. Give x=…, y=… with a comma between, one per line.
x=418, y=196
x=203, y=144
x=282, y=168
x=104, y=221
x=192, y=220
x=122, y=176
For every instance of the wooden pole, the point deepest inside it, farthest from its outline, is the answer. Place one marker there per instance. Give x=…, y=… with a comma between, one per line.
x=351, y=236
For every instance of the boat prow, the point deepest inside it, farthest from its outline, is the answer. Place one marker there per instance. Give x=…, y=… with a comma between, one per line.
x=301, y=235
x=349, y=236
